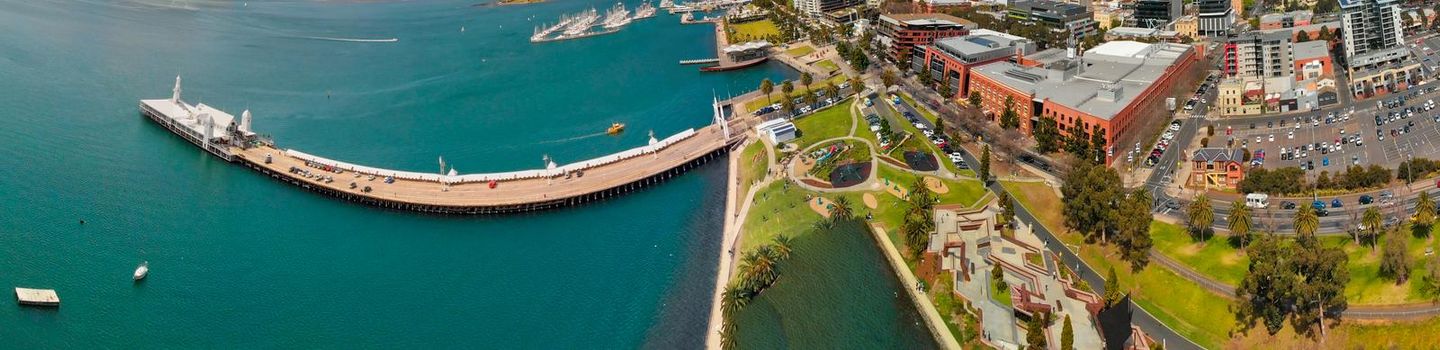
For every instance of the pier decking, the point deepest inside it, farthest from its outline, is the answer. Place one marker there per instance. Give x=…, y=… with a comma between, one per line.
x=518, y=191
x=37, y=297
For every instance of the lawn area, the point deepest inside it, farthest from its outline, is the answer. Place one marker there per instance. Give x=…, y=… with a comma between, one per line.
x=798, y=50
x=827, y=65
x=826, y=124
x=965, y=192
x=754, y=161
x=1038, y=192
x=1000, y=295
x=1367, y=287
x=1407, y=335
x=777, y=210
x=952, y=310
x=1220, y=261
x=1216, y=258
x=751, y=31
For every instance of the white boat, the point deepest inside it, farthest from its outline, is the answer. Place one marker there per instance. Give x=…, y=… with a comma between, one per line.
x=645, y=10
x=617, y=17
x=142, y=271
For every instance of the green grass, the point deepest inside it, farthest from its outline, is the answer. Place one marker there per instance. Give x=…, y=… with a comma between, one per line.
x=1407, y=335
x=1214, y=258
x=1000, y=295
x=826, y=124
x=1367, y=287
x=754, y=162
x=750, y=31
x=799, y=50
x=827, y=65
x=965, y=192
x=777, y=210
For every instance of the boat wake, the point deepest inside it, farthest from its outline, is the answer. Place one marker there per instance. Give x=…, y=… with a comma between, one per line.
x=351, y=40
x=576, y=138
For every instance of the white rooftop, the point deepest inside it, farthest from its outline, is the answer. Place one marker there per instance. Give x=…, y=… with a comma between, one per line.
x=1101, y=83
x=190, y=116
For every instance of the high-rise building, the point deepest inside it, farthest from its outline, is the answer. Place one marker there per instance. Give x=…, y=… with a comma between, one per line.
x=1259, y=55
x=1216, y=17
x=1370, y=26
x=817, y=8
x=1058, y=16
x=1156, y=13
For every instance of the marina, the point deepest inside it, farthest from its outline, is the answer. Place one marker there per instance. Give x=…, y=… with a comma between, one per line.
x=589, y=23
x=448, y=192
x=37, y=297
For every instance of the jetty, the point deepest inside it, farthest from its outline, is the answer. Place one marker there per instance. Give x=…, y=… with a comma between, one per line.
x=37, y=297
x=552, y=186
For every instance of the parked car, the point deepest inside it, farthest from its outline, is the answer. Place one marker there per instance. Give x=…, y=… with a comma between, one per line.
x=1287, y=205
x=1366, y=199
x=1336, y=203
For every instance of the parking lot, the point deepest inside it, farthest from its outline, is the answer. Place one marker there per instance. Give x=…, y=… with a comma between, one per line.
x=1337, y=139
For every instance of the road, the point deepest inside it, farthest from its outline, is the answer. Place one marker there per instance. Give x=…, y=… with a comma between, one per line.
x=1142, y=318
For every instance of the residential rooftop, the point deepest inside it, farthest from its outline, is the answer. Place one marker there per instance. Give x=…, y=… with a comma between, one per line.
x=1310, y=49
x=926, y=19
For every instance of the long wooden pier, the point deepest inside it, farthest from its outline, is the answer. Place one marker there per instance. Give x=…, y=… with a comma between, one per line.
x=520, y=191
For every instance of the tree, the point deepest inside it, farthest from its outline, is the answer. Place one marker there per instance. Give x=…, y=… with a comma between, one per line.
x=787, y=87
x=919, y=220
x=1261, y=294
x=1112, y=288
x=766, y=87
x=1035, y=337
x=888, y=78
x=1430, y=283
x=1201, y=216
x=840, y=209
x=1319, y=292
x=810, y=98
x=1239, y=222
x=1424, y=212
x=924, y=76
x=975, y=98
x=1092, y=195
x=1047, y=135
x=783, y=246
x=1008, y=118
x=1067, y=335
x=831, y=90
x=806, y=79
x=1395, y=261
x=984, y=171
x=1133, y=228
x=1097, y=143
x=945, y=91
x=1370, y=225
x=787, y=105
x=1303, y=36
x=1007, y=208
x=940, y=126
x=1306, y=222
x=857, y=84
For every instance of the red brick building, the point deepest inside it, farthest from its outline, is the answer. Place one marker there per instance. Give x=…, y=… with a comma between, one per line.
x=949, y=60
x=1106, y=88
x=1220, y=168
x=901, y=33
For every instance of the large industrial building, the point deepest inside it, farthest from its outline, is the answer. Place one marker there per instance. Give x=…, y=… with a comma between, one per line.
x=1113, y=86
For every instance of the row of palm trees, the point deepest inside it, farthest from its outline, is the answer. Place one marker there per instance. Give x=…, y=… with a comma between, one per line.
x=919, y=219
x=1307, y=220
x=759, y=269
x=787, y=87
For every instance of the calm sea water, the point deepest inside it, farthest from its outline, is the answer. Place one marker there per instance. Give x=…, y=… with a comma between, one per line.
x=241, y=260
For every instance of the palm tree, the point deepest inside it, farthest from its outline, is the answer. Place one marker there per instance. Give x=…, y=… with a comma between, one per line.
x=757, y=269
x=840, y=210
x=782, y=246
x=1371, y=221
x=810, y=98
x=1239, y=221
x=766, y=87
x=787, y=87
x=1306, y=222
x=1424, y=210
x=1201, y=216
x=832, y=91
x=857, y=84
x=806, y=79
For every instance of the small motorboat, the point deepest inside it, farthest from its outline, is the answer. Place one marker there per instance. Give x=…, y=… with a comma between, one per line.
x=615, y=128
x=142, y=271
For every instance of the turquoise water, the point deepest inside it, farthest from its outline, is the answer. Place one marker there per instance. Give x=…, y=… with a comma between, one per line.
x=239, y=260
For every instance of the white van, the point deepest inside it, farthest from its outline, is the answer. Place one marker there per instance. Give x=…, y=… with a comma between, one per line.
x=1257, y=200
